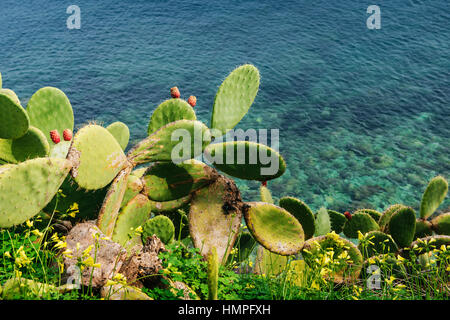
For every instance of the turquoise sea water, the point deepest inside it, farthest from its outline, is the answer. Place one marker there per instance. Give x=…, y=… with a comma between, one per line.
x=363, y=114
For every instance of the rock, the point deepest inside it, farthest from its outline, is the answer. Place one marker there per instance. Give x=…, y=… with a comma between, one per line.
x=110, y=255
x=121, y=292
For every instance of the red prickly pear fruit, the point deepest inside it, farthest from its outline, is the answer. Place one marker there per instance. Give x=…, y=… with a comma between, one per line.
x=348, y=215
x=192, y=101
x=54, y=135
x=174, y=92
x=67, y=135
x=264, y=183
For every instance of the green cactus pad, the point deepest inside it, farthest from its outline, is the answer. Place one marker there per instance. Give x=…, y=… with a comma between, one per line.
x=139, y=172
x=6, y=151
x=301, y=212
x=265, y=194
x=362, y=222
x=424, y=228
x=133, y=215
x=166, y=181
x=50, y=109
x=432, y=242
x=213, y=274
x=380, y=243
x=433, y=196
x=169, y=111
x=234, y=97
x=120, y=131
x=337, y=221
x=14, y=121
x=32, y=144
x=344, y=272
x=215, y=217
x=242, y=159
x=161, y=226
x=176, y=141
x=180, y=221
x=386, y=216
x=268, y=263
x=113, y=200
x=11, y=94
x=402, y=226
x=274, y=228
x=97, y=157
x=441, y=224
x=134, y=187
x=26, y=188
x=322, y=222
x=373, y=213
x=170, y=206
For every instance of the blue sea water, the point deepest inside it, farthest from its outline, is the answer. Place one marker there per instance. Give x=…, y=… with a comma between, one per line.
x=363, y=114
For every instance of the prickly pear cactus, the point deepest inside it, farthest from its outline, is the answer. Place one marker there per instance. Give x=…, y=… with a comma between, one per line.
x=302, y=212
x=50, y=109
x=96, y=156
x=161, y=226
x=250, y=161
x=177, y=141
x=14, y=121
x=441, y=224
x=337, y=221
x=215, y=217
x=134, y=187
x=170, y=206
x=373, y=213
x=26, y=188
x=234, y=97
x=387, y=214
x=33, y=144
x=378, y=243
x=265, y=194
x=120, y=131
x=402, y=226
x=322, y=222
x=269, y=263
x=362, y=222
x=433, y=196
x=424, y=228
x=169, y=111
x=274, y=228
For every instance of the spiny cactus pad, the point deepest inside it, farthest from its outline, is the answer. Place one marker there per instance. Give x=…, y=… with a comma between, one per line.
x=134, y=187
x=274, y=228
x=161, y=226
x=337, y=221
x=402, y=226
x=169, y=206
x=380, y=243
x=113, y=200
x=215, y=217
x=177, y=141
x=322, y=222
x=386, y=216
x=120, y=131
x=302, y=212
x=50, y=109
x=169, y=111
x=373, y=213
x=344, y=271
x=11, y=94
x=26, y=188
x=362, y=222
x=14, y=121
x=424, y=228
x=234, y=97
x=265, y=194
x=246, y=160
x=133, y=215
x=441, y=224
x=166, y=181
x=97, y=157
x=433, y=196
x=33, y=144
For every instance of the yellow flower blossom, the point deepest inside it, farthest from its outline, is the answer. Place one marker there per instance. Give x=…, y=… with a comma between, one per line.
x=390, y=280
x=21, y=258
x=29, y=223
x=37, y=233
x=7, y=254
x=315, y=286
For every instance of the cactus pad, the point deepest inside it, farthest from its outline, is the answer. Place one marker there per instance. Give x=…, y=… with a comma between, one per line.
x=11, y=94
x=274, y=228
x=134, y=187
x=170, y=206
x=120, y=131
x=300, y=211
x=441, y=224
x=133, y=215
x=97, y=157
x=386, y=216
x=176, y=141
x=362, y=222
x=268, y=263
x=322, y=222
x=373, y=213
x=337, y=221
x=343, y=272
x=14, y=121
x=161, y=226
x=215, y=217
x=213, y=274
x=380, y=243
x=26, y=188
x=265, y=194
x=433, y=196
x=424, y=228
x=246, y=160
x=169, y=111
x=50, y=109
x=166, y=181
x=402, y=226
x=234, y=97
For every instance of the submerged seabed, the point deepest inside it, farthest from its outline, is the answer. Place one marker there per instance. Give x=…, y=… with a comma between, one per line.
x=363, y=114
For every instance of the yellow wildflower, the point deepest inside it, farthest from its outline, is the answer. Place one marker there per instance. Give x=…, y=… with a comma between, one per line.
x=29, y=223
x=36, y=232
x=390, y=280
x=7, y=254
